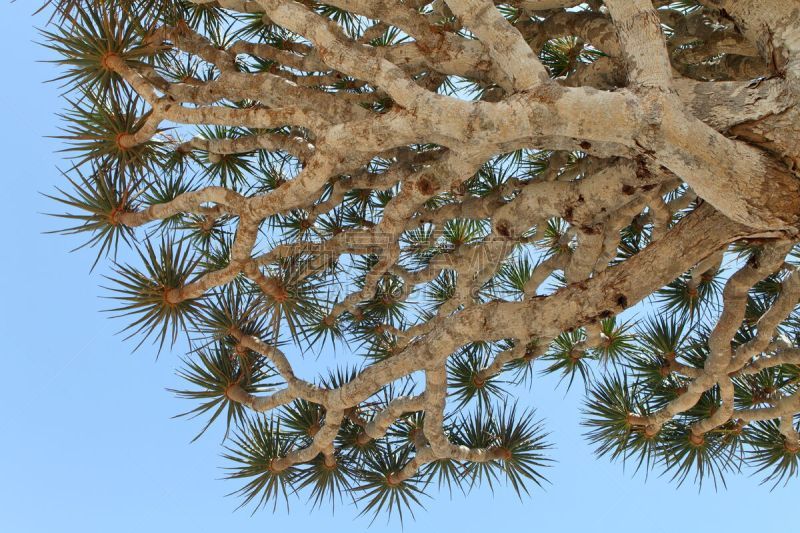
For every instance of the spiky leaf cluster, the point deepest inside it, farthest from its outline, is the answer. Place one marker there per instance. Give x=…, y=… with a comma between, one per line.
x=361, y=266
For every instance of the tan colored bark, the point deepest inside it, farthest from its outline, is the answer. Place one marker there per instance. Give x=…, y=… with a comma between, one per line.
x=734, y=143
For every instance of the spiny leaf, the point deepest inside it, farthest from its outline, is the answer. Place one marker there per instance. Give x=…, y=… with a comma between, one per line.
x=258, y=443
x=98, y=130
x=520, y=445
x=87, y=43
x=771, y=453
x=706, y=455
x=466, y=379
x=569, y=357
x=609, y=412
x=100, y=198
x=213, y=372
x=380, y=491
x=144, y=294
x=326, y=479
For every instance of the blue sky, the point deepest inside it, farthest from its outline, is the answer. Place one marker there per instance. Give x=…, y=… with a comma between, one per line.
x=88, y=441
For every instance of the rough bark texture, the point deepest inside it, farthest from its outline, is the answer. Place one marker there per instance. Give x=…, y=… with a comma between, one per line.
x=679, y=125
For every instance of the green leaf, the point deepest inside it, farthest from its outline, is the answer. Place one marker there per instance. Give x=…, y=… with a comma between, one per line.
x=213, y=372
x=771, y=453
x=608, y=412
x=257, y=443
x=326, y=480
x=143, y=294
x=467, y=382
x=97, y=127
x=85, y=42
x=569, y=358
x=379, y=491
x=706, y=455
x=99, y=198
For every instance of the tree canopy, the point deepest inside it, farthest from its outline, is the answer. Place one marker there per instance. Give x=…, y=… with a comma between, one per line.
x=458, y=195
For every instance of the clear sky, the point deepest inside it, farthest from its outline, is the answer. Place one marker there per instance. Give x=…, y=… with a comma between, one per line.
x=87, y=441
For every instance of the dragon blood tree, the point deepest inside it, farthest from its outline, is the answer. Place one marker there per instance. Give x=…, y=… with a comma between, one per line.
x=454, y=192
